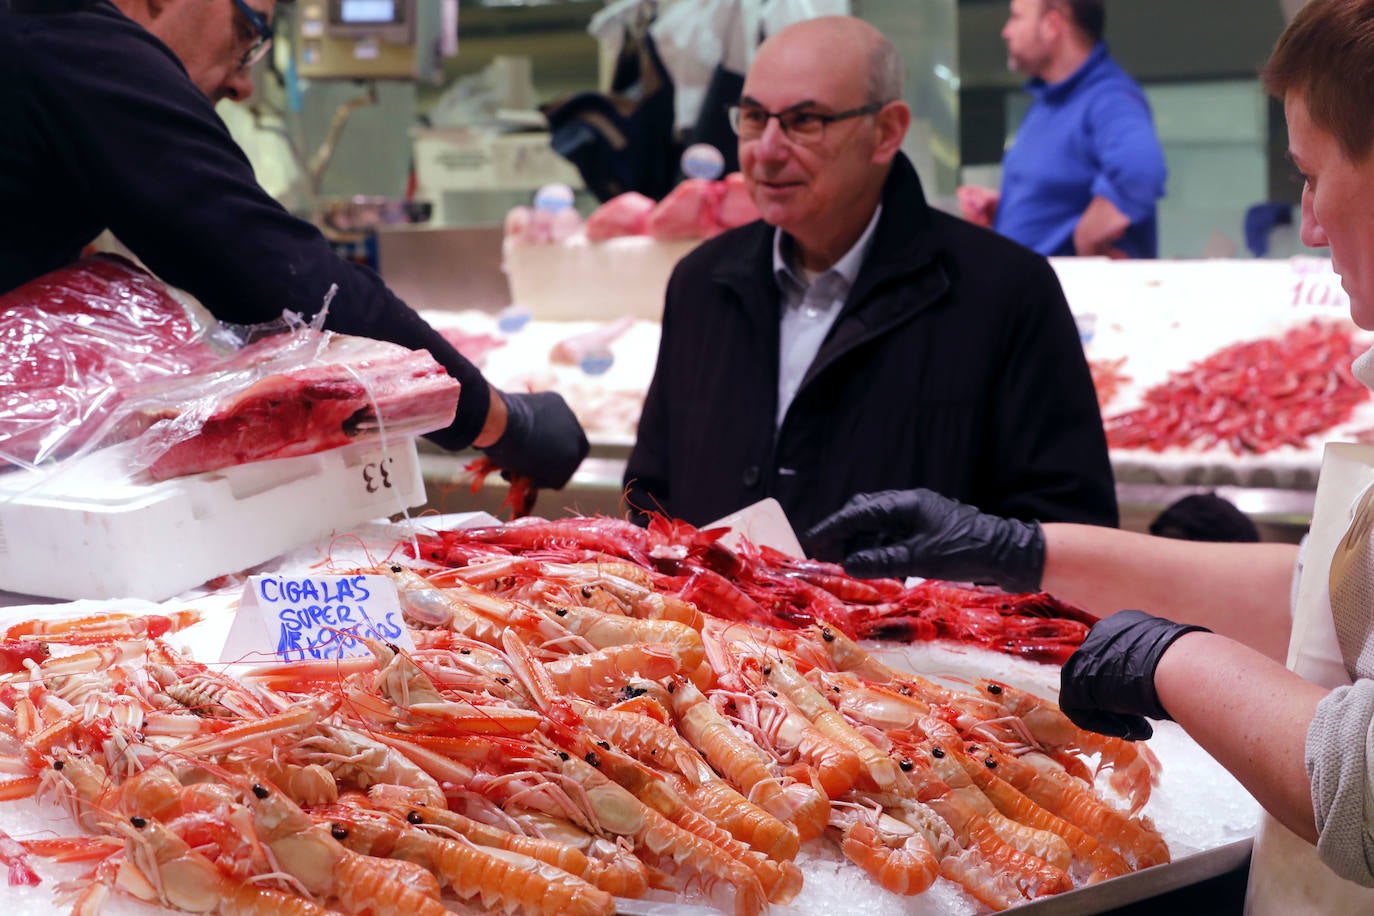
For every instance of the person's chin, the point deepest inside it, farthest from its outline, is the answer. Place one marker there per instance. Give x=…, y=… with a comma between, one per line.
x=773, y=213
x=769, y=196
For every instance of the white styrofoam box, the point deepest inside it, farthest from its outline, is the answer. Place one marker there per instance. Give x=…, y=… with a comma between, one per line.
x=88, y=531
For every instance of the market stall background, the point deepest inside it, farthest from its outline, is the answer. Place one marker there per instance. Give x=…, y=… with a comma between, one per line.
x=1147, y=318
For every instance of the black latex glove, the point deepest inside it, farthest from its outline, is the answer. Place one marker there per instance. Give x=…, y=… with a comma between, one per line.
x=1108, y=685
x=898, y=533
x=543, y=440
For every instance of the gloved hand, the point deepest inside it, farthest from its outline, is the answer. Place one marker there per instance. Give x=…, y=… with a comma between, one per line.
x=1108, y=685
x=542, y=441
x=898, y=533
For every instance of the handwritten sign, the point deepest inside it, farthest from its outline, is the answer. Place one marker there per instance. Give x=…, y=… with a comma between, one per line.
x=1317, y=286
x=307, y=618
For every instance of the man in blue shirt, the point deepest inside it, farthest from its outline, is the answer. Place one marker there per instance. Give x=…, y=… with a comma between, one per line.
x=1085, y=171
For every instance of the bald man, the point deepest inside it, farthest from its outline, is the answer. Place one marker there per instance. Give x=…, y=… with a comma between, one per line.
x=854, y=339
x=107, y=121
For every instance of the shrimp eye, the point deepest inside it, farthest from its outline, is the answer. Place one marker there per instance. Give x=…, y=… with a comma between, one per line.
x=562, y=755
x=907, y=766
x=396, y=569
x=503, y=680
x=561, y=611
x=586, y=592
x=593, y=759
x=995, y=689
x=337, y=832
x=413, y=817
x=604, y=745
x=260, y=791
x=464, y=651
x=767, y=671
x=672, y=688
x=905, y=691
x=57, y=764
x=394, y=648
x=138, y=822
x=827, y=635
x=990, y=763
x=937, y=752
x=836, y=689
x=772, y=693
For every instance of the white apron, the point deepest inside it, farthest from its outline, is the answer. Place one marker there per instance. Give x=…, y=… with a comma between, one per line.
x=1286, y=876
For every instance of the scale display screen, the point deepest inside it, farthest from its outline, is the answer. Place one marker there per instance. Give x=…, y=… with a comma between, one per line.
x=367, y=12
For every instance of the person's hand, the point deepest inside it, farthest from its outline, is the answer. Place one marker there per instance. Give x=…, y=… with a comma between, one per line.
x=1108, y=685
x=897, y=533
x=542, y=439
x=978, y=205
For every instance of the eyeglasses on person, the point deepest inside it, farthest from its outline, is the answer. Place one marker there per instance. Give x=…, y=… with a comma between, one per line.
x=799, y=125
x=262, y=39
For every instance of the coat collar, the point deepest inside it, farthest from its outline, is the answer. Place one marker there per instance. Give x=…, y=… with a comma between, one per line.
x=906, y=246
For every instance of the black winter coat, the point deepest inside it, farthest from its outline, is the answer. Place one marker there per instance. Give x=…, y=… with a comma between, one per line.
x=955, y=364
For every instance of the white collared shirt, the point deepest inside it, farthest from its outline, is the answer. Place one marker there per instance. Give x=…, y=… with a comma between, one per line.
x=809, y=308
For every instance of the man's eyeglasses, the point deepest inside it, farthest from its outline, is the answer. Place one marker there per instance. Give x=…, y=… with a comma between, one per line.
x=262, y=39
x=798, y=125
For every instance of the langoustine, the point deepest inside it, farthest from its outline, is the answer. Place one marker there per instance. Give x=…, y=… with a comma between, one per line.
x=615, y=764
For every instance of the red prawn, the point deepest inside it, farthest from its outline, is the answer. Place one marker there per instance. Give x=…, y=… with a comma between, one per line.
x=521, y=495
x=14, y=652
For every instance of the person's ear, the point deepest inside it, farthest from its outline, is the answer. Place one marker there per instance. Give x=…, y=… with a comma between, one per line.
x=893, y=120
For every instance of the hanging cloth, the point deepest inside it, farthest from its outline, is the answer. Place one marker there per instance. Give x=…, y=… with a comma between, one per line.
x=622, y=140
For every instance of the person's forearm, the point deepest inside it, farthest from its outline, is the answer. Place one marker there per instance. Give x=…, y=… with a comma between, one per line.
x=1248, y=712
x=1238, y=590
x=495, y=423
x=1100, y=226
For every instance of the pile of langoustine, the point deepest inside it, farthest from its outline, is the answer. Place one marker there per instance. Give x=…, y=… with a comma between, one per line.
x=1251, y=397
x=563, y=734
x=763, y=586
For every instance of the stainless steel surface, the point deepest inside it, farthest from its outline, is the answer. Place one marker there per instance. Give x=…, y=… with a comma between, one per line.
x=1142, y=885
x=1280, y=515
x=450, y=268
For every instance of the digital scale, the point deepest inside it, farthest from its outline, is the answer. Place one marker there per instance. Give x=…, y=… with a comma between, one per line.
x=358, y=39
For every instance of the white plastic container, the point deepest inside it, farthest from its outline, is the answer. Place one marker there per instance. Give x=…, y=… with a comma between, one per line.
x=89, y=532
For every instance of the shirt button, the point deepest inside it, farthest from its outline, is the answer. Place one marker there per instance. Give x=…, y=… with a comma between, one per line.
x=751, y=475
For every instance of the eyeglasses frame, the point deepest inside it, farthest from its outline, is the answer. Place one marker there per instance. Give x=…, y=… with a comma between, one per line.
x=733, y=112
x=262, y=43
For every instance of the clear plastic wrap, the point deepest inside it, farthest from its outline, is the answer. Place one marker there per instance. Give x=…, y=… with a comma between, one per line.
x=101, y=353
x=74, y=341
x=289, y=394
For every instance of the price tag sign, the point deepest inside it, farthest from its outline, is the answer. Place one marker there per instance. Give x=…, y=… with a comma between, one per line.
x=1317, y=287
x=309, y=618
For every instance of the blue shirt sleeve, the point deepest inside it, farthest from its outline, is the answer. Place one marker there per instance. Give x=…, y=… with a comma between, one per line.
x=1132, y=170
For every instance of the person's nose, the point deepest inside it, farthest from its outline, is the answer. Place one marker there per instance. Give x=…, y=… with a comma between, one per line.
x=239, y=85
x=1312, y=234
x=773, y=144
